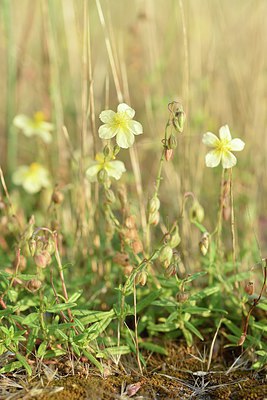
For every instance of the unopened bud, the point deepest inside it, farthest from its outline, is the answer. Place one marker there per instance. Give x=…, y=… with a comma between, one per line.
x=116, y=150
x=153, y=205
x=57, y=197
x=204, y=243
x=141, y=278
x=33, y=285
x=175, y=238
x=171, y=270
x=137, y=246
x=130, y=222
x=122, y=259
x=106, y=151
x=168, y=154
x=179, y=120
x=182, y=297
x=165, y=255
x=197, y=212
x=242, y=339
x=172, y=142
x=102, y=176
x=154, y=218
x=128, y=270
x=42, y=259
x=110, y=196
x=32, y=246
x=249, y=288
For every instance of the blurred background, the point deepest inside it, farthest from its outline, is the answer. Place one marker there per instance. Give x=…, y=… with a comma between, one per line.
x=71, y=59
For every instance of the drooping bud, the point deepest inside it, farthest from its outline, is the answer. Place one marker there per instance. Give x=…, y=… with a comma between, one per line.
x=141, y=278
x=122, y=259
x=116, y=150
x=168, y=154
x=130, y=222
x=57, y=197
x=153, y=205
x=171, y=270
x=33, y=285
x=137, y=246
x=128, y=270
x=165, y=255
x=110, y=196
x=32, y=246
x=154, y=218
x=196, y=212
x=204, y=243
x=102, y=176
x=242, y=339
x=42, y=259
x=175, y=238
x=182, y=297
x=172, y=142
x=106, y=151
x=249, y=288
x=179, y=119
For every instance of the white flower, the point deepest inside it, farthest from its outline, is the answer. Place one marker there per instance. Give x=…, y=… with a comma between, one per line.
x=121, y=125
x=222, y=148
x=32, y=178
x=114, y=169
x=35, y=126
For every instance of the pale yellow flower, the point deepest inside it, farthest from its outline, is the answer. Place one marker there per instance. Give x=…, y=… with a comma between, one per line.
x=113, y=168
x=121, y=125
x=222, y=148
x=35, y=126
x=32, y=178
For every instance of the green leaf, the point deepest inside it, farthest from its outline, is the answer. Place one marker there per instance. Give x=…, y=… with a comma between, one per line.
x=205, y=293
x=11, y=367
x=75, y=296
x=95, y=316
x=42, y=349
x=193, y=329
x=60, y=307
x=30, y=319
x=24, y=363
x=54, y=353
x=147, y=301
x=96, y=329
x=188, y=337
x=93, y=360
x=195, y=276
x=114, y=351
x=153, y=347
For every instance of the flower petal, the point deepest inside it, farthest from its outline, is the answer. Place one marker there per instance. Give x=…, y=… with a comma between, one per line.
x=125, y=139
x=19, y=175
x=224, y=133
x=210, y=139
x=228, y=159
x=45, y=135
x=107, y=116
x=213, y=158
x=124, y=108
x=237, y=145
x=106, y=131
x=115, y=169
x=92, y=172
x=21, y=121
x=32, y=186
x=135, y=127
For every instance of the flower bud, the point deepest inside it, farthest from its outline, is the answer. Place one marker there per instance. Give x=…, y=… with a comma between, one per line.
x=242, y=339
x=179, y=120
x=171, y=270
x=130, y=222
x=102, y=176
x=116, y=150
x=182, y=297
x=196, y=212
x=204, y=243
x=165, y=255
x=42, y=259
x=32, y=246
x=33, y=285
x=141, y=278
x=171, y=142
x=154, y=218
x=168, y=154
x=128, y=270
x=175, y=238
x=153, y=205
x=122, y=259
x=57, y=197
x=106, y=151
x=249, y=288
x=137, y=246
x=110, y=196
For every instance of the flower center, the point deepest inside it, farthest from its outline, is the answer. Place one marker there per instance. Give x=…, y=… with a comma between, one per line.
x=120, y=121
x=223, y=146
